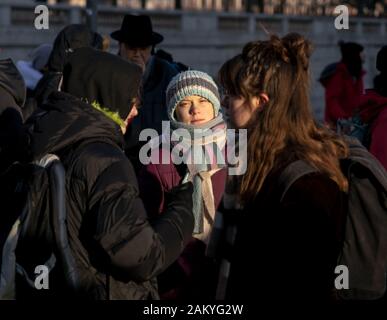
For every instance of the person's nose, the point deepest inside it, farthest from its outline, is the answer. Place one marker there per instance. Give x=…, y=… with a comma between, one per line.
x=136, y=51
x=135, y=111
x=194, y=108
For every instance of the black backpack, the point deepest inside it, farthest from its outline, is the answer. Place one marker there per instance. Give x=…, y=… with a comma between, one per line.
x=33, y=230
x=364, y=250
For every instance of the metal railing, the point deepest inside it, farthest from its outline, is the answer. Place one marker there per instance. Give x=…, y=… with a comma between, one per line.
x=109, y=17
x=371, y=8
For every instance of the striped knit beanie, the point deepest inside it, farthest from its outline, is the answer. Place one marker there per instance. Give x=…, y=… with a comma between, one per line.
x=191, y=83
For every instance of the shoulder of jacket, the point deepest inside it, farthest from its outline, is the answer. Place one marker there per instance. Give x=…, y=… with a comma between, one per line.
x=299, y=176
x=97, y=156
x=314, y=185
x=167, y=69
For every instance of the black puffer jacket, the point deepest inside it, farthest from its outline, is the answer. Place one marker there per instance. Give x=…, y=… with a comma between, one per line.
x=118, y=252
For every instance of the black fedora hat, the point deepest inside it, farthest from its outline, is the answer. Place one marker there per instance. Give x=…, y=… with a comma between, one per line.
x=136, y=30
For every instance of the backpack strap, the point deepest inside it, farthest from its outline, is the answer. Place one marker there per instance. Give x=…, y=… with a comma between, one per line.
x=292, y=173
x=7, y=275
x=64, y=253
x=46, y=162
x=59, y=219
x=358, y=154
x=50, y=264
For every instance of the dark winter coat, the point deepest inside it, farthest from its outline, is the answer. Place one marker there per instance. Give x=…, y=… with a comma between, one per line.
x=287, y=250
x=118, y=253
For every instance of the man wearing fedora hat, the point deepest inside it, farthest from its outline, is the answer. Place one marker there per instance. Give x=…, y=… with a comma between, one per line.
x=137, y=41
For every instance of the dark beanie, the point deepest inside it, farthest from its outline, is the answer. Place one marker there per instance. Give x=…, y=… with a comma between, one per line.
x=350, y=52
x=349, y=49
x=94, y=75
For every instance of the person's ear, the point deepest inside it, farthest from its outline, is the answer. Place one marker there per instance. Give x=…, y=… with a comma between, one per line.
x=259, y=101
x=263, y=99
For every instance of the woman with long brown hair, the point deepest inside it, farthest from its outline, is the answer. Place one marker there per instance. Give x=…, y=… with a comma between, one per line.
x=288, y=233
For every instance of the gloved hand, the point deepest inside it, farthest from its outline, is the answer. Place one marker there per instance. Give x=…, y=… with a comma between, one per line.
x=180, y=194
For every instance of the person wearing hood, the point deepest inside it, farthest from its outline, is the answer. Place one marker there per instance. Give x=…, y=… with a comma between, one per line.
x=373, y=109
x=13, y=141
x=118, y=252
x=69, y=38
x=344, y=84
x=32, y=71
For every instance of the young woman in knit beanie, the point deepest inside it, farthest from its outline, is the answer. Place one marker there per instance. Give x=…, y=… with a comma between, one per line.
x=193, y=106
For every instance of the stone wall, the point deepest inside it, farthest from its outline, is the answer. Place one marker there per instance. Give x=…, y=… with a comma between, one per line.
x=201, y=40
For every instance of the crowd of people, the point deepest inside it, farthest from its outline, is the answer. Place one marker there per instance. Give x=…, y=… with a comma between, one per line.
x=191, y=231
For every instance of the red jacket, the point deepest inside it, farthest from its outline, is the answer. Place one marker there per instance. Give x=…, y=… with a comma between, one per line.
x=341, y=94
x=373, y=110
